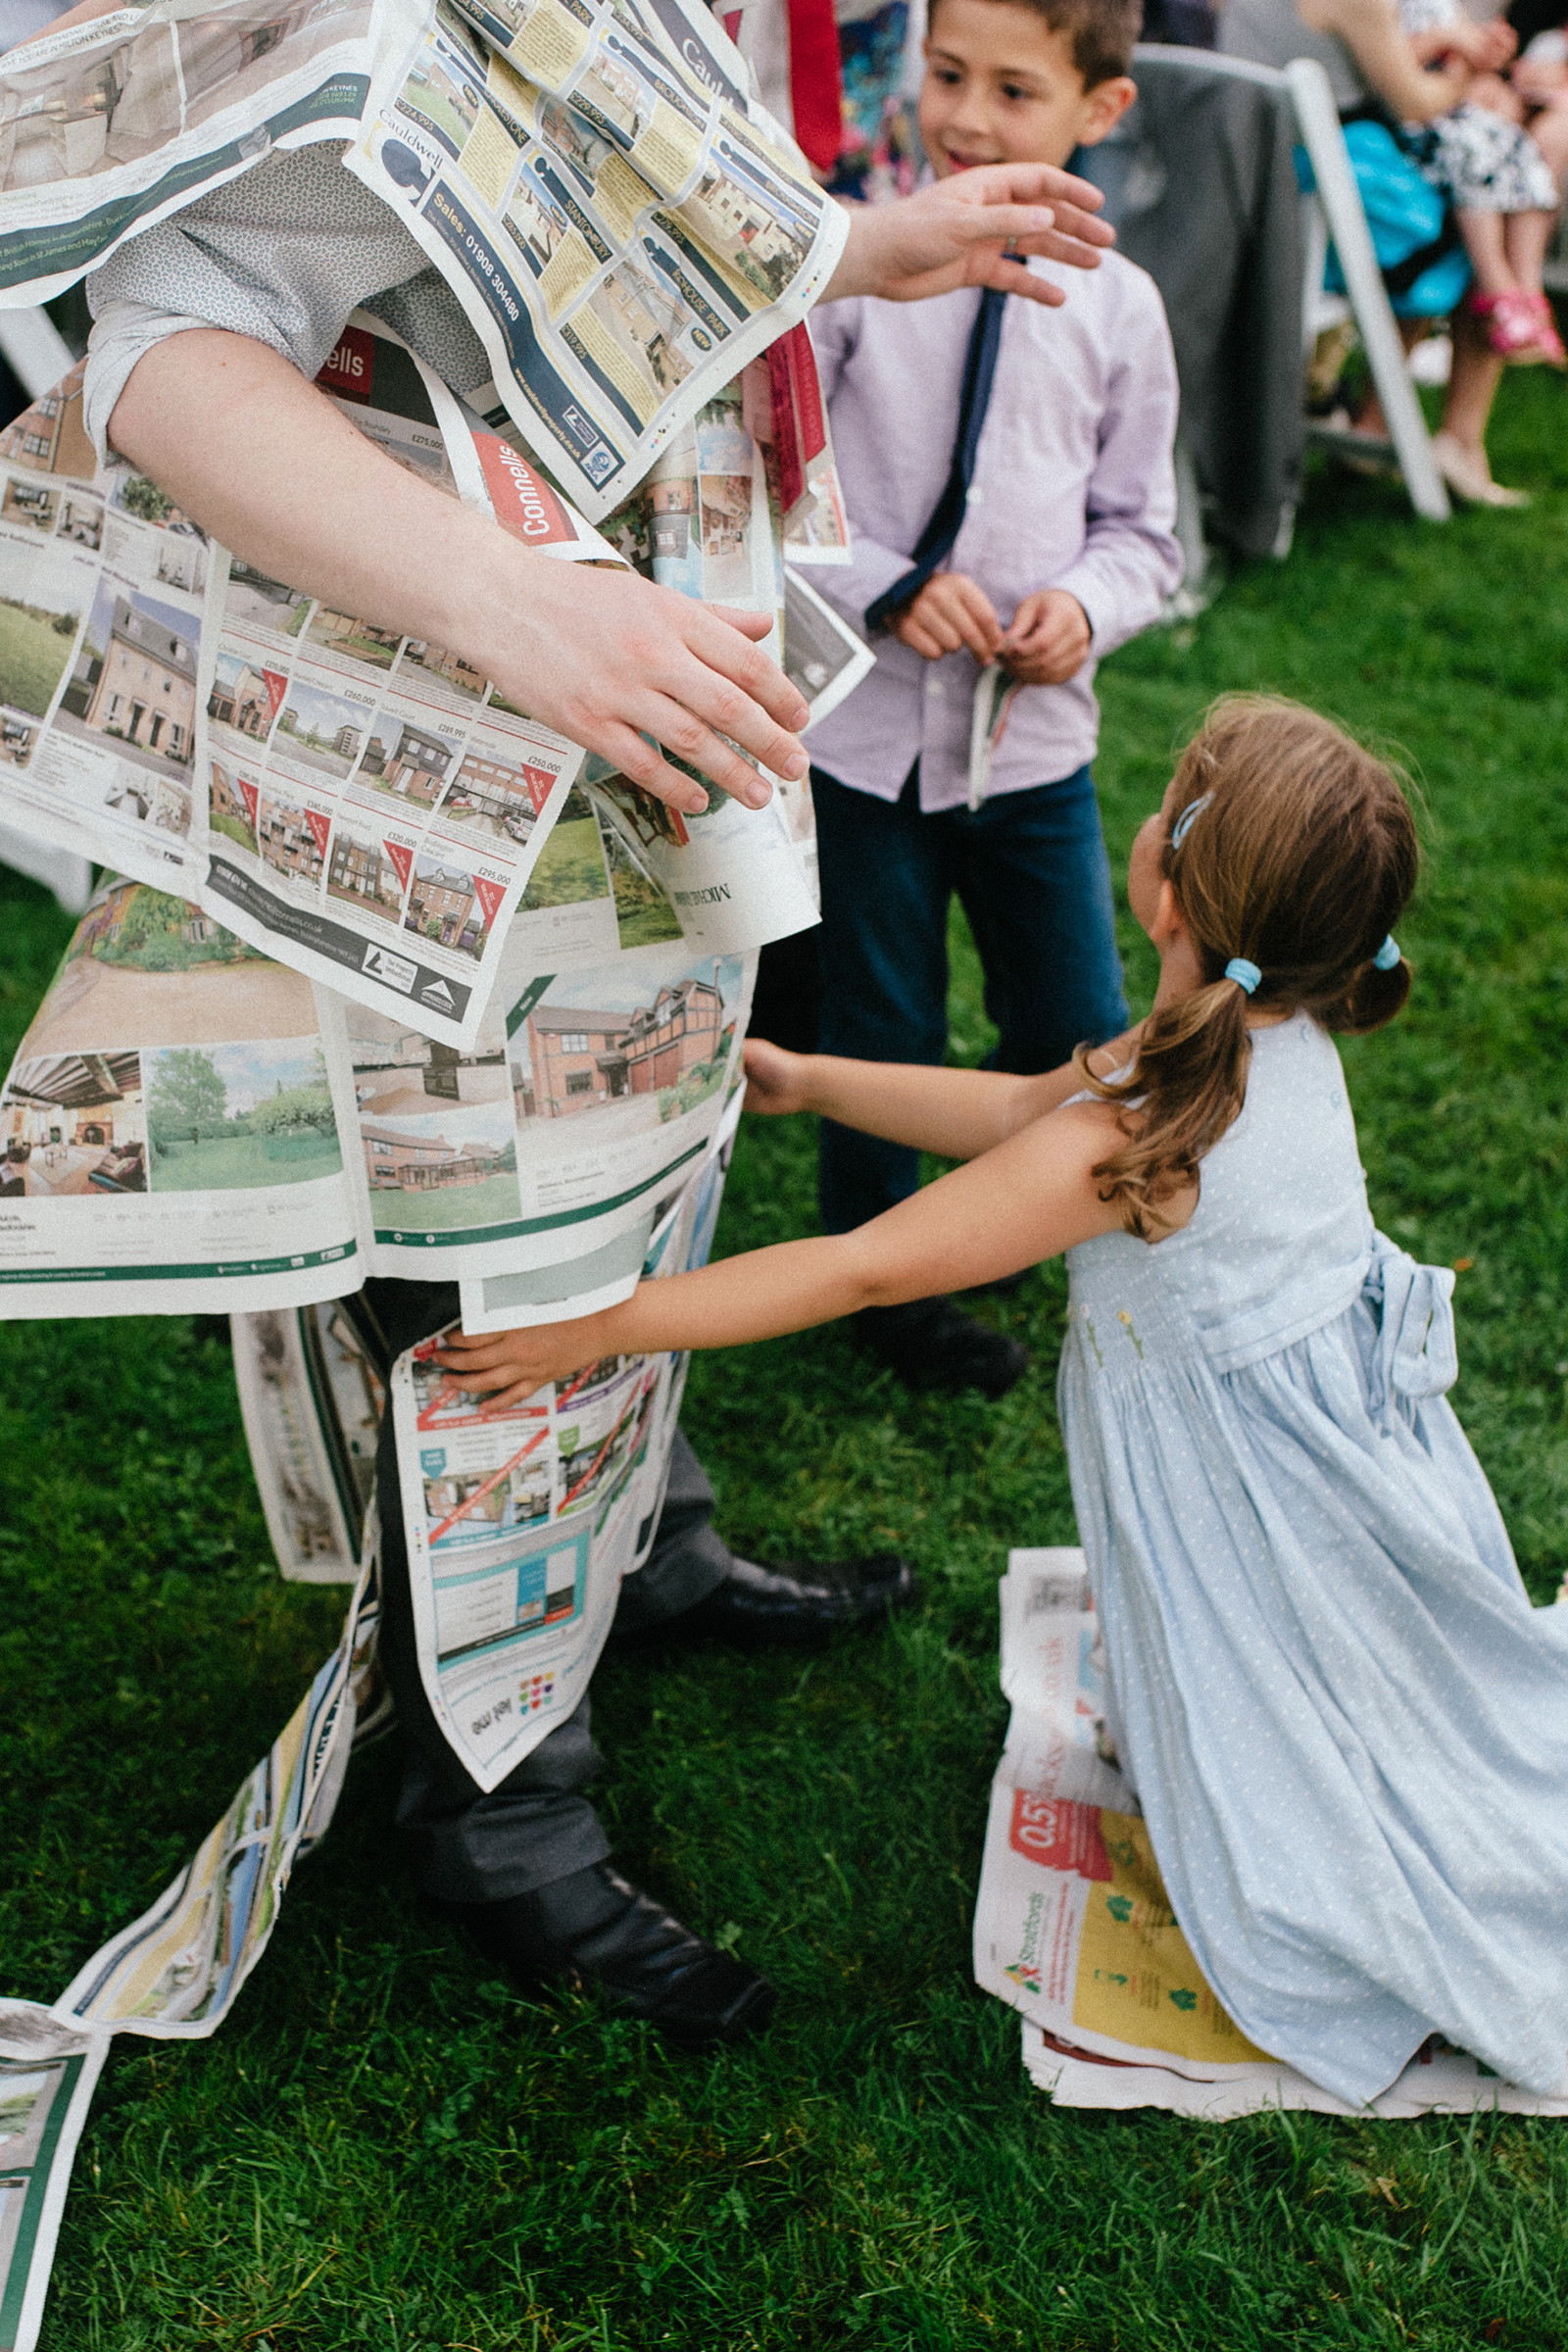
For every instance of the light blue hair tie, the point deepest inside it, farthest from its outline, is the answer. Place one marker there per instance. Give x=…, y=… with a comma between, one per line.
x=1246, y=975
x=1388, y=956
x=1184, y=823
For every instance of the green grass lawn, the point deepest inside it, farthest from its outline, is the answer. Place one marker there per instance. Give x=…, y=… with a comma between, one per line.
x=33, y=654
x=386, y=2147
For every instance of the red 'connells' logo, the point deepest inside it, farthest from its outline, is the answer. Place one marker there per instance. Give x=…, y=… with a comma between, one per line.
x=348, y=372
x=525, y=504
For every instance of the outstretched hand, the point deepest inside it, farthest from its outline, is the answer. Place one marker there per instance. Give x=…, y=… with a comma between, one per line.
x=506, y=1367
x=973, y=230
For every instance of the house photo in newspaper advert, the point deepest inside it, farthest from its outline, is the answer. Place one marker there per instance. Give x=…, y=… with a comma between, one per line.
x=168, y=1137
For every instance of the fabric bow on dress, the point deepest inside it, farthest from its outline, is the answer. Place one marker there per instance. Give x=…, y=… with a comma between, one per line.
x=1417, y=1354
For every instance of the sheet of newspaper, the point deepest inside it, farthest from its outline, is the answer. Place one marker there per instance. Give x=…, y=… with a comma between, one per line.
x=373, y=806
x=522, y=1523
x=823, y=659
x=995, y=691
x=311, y=1404
x=47, y=2077
x=168, y=1137
x=623, y=237
x=112, y=125
x=175, y=1971
x=1073, y=1927
x=362, y=803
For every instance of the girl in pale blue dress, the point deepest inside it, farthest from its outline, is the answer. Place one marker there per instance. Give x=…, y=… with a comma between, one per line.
x=1345, y=1723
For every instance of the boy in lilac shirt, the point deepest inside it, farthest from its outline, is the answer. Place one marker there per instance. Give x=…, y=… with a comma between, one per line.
x=1053, y=473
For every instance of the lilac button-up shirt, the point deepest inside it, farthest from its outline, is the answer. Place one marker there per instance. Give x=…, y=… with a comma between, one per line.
x=1073, y=488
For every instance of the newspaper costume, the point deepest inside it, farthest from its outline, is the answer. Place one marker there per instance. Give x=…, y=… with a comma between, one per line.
x=388, y=979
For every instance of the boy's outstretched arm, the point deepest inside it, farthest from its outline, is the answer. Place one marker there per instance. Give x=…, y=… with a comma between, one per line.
x=959, y=1114
x=265, y=462
x=1029, y=1198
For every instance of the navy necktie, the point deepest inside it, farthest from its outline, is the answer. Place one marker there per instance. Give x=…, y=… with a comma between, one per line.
x=935, y=543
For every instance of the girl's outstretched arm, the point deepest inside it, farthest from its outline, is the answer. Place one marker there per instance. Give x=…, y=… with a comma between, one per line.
x=1028, y=1199
x=957, y=1113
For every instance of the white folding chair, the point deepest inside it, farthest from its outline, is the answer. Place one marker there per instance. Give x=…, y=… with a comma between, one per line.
x=1334, y=214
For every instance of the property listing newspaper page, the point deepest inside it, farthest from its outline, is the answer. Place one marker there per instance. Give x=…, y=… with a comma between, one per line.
x=669, y=1236
x=311, y=1404
x=47, y=2077
x=521, y=1525
x=582, y=1107
x=167, y=1139
x=114, y=124
x=624, y=239
x=1073, y=1927
x=102, y=582
x=374, y=806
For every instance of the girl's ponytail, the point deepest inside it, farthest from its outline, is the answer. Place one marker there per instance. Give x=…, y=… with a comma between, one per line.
x=1189, y=1084
x=1291, y=852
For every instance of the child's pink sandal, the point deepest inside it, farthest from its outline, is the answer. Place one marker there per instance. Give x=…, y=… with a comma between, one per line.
x=1513, y=325
x=1552, y=348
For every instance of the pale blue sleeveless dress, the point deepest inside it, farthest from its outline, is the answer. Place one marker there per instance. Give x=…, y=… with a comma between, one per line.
x=1345, y=1723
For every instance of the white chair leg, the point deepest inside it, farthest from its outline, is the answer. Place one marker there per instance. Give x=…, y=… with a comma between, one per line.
x=34, y=349
x=1324, y=141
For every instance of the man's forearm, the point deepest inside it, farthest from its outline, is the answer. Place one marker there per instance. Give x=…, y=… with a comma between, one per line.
x=265, y=462
x=269, y=467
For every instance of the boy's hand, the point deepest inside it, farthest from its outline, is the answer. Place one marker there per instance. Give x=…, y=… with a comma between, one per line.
x=949, y=611
x=972, y=230
x=507, y=1367
x=774, y=1079
x=1049, y=640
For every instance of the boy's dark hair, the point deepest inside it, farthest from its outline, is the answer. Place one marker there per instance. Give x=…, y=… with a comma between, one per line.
x=1101, y=31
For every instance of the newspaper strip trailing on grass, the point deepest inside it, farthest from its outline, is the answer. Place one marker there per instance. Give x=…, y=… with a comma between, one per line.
x=47, y=2077
x=622, y=237
x=174, y=1973
x=168, y=1137
x=1074, y=1930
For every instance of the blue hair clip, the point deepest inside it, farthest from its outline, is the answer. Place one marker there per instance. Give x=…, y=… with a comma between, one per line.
x=1246, y=975
x=1388, y=956
x=1184, y=823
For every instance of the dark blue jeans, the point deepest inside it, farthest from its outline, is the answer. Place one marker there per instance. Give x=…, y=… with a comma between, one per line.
x=1031, y=871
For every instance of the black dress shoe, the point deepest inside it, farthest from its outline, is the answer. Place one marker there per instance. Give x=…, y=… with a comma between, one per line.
x=647, y=1965
x=799, y=1603
x=932, y=1343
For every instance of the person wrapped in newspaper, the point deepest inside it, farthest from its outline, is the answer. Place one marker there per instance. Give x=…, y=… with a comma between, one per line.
x=1342, y=1724
x=433, y=271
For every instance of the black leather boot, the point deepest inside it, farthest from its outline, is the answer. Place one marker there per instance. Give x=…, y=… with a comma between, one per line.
x=932, y=1343
x=603, y=1927
x=797, y=1604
